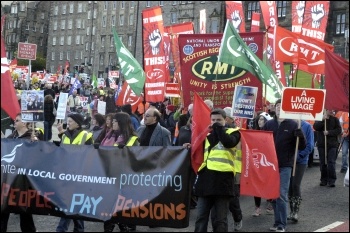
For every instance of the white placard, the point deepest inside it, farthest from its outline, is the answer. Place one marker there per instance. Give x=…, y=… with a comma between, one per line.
x=101, y=107
x=62, y=106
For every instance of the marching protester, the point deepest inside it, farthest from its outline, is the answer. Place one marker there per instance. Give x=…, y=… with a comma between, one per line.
x=328, y=131
x=134, y=119
x=294, y=193
x=344, y=143
x=108, y=136
x=258, y=124
x=73, y=101
x=285, y=133
x=74, y=135
x=21, y=131
x=215, y=181
x=98, y=121
x=49, y=117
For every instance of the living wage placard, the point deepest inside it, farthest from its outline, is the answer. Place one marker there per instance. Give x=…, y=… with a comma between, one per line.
x=134, y=185
x=302, y=103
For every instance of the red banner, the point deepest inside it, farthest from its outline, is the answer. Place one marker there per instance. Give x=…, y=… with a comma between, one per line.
x=268, y=9
x=298, y=9
x=202, y=73
x=260, y=173
x=255, y=27
x=235, y=13
x=336, y=82
x=154, y=54
x=315, y=19
x=200, y=128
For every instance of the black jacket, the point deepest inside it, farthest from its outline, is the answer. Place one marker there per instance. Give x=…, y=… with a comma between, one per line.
x=285, y=141
x=334, y=130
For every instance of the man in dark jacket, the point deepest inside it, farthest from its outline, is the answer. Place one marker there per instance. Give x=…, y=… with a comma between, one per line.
x=285, y=133
x=328, y=129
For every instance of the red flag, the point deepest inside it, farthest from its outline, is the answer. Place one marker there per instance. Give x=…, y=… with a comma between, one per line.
x=9, y=101
x=127, y=96
x=200, y=128
x=336, y=82
x=260, y=173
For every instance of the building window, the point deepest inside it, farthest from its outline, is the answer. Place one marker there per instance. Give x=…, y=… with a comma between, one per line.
x=129, y=40
x=52, y=56
x=101, y=59
x=55, y=10
x=173, y=17
x=161, y=3
x=105, y=5
x=92, y=45
x=27, y=29
x=131, y=19
x=68, y=55
x=87, y=31
x=114, y=5
x=339, y=23
x=62, y=40
x=80, y=7
x=104, y=21
x=214, y=26
x=113, y=20
x=77, y=39
x=252, y=7
x=78, y=23
x=61, y=56
x=281, y=8
x=148, y=3
x=95, y=13
x=132, y=4
x=87, y=46
x=64, y=9
x=122, y=4
x=81, y=54
x=111, y=40
x=103, y=38
x=69, y=40
x=43, y=15
x=22, y=6
x=76, y=54
x=34, y=29
x=121, y=20
x=71, y=8
x=42, y=28
x=55, y=25
x=93, y=30
x=41, y=41
x=89, y=15
x=174, y=3
x=70, y=23
x=63, y=24
x=54, y=40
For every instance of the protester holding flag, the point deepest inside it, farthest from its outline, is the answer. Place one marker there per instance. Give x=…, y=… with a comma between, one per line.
x=214, y=185
x=301, y=164
x=285, y=133
x=328, y=131
x=262, y=118
x=74, y=135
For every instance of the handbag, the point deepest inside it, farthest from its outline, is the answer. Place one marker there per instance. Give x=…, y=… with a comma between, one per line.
x=54, y=109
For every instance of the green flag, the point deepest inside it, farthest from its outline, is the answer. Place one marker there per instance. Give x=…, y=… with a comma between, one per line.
x=94, y=81
x=130, y=68
x=234, y=51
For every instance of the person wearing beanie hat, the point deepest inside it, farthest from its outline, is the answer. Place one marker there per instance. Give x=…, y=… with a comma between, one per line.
x=266, y=116
x=74, y=135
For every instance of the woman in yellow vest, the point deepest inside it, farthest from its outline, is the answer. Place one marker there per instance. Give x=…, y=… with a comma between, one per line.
x=127, y=137
x=215, y=181
x=74, y=135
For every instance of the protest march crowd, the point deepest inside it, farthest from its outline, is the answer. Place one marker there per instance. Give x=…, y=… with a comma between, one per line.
x=216, y=180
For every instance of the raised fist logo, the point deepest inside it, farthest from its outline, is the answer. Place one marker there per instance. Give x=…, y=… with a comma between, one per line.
x=236, y=19
x=269, y=51
x=300, y=11
x=154, y=40
x=317, y=13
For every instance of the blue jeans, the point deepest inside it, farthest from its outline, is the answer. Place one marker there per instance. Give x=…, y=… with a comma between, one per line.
x=280, y=205
x=345, y=153
x=328, y=174
x=220, y=205
x=64, y=223
x=47, y=131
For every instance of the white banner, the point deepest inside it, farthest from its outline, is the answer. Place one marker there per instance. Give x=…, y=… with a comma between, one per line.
x=101, y=107
x=62, y=106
